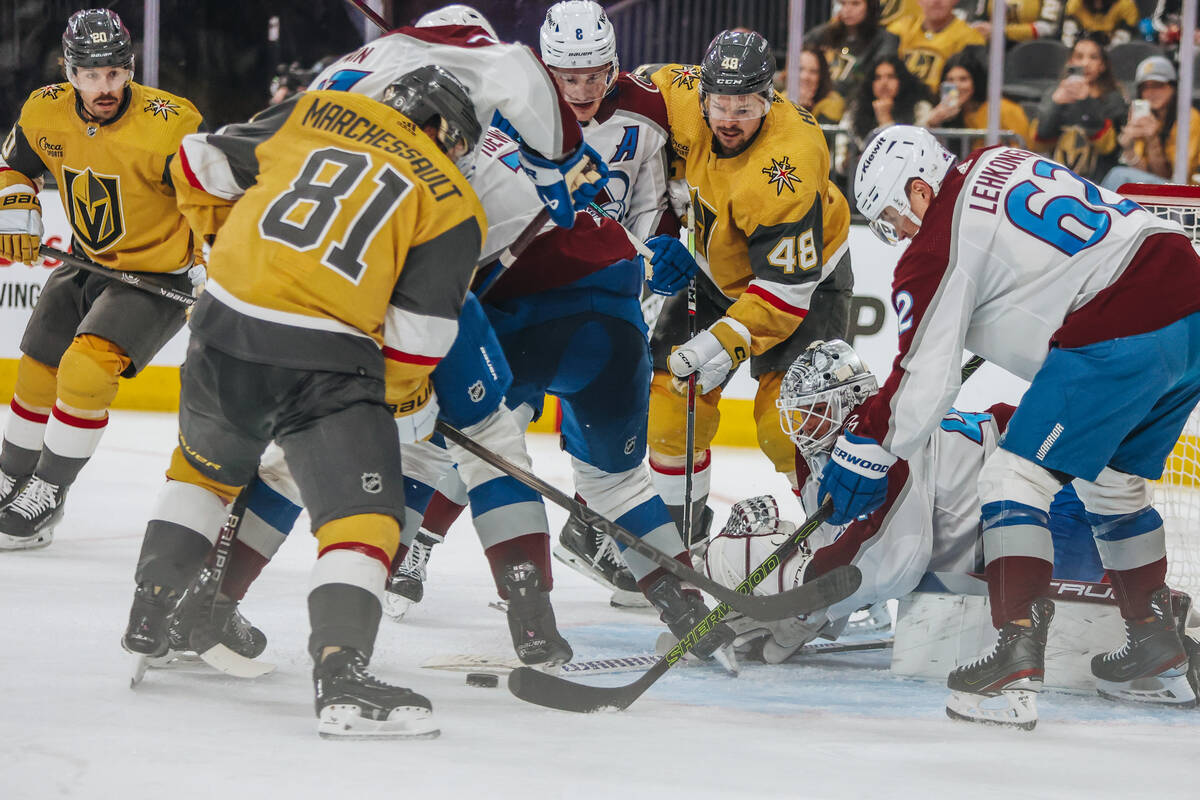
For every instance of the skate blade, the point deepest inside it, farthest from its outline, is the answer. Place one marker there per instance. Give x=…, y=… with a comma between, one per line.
x=345, y=721
x=396, y=606
x=140, y=665
x=39, y=540
x=1010, y=709
x=628, y=600
x=1168, y=689
x=221, y=658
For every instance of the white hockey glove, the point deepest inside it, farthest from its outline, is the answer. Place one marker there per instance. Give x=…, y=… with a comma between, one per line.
x=417, y=425
x=20, y=224
x=713, y=354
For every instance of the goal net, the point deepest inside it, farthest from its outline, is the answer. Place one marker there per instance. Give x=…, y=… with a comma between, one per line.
x=1177, y=495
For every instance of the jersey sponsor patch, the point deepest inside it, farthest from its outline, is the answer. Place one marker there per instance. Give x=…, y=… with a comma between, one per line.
x=93, y=203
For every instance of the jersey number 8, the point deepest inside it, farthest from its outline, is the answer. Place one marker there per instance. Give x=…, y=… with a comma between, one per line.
x=794, y=252
x=302, y=216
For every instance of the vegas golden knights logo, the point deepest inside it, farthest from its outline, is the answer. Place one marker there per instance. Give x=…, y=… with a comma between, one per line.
x=1074, y=148
x=705, y=220
x=93, y=203
x=924, y=63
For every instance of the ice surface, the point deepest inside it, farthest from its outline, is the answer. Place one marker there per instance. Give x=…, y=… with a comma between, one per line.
x=830, y=728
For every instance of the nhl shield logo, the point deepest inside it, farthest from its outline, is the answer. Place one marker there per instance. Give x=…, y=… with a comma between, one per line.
x=372, y=482
x=93, y=202
x=476, y=391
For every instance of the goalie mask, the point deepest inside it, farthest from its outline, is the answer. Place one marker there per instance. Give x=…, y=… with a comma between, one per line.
x=820, y=389
x=891, y=161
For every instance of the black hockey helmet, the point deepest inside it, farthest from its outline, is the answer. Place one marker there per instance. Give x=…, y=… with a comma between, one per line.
x=738, y=62
x=430, y=94
x=95, y=37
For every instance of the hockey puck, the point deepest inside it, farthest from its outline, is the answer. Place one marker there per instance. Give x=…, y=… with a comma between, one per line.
x=484, y=679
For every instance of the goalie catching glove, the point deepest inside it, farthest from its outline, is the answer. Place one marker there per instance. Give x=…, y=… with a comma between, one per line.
x=567, y=186
x=20, y=224
x=713, y=354
x=855, y=477
x=671, y=267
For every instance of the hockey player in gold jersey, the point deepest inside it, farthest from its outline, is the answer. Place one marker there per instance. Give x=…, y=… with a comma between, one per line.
x=931, y=37
x=335, y=284
x=771, y=245
x=108, y=142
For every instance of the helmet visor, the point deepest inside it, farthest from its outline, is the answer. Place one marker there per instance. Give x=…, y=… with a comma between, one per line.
x=455, y=144
x=887, y=227
x=584, y=84
x=101, y=79
x=735, y=107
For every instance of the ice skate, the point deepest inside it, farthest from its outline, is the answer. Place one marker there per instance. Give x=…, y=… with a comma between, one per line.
x=147, y=633
x=1152, y=666
x=594, y=555
x=351, y=703
x=683, y=610
x=873, y=620
x=531, y=618
x=406, y=585
x=28, y=521
x=1001, y=688
x=10, y=487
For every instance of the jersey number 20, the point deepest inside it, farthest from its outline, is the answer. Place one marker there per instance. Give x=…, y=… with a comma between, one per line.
x=302, y=216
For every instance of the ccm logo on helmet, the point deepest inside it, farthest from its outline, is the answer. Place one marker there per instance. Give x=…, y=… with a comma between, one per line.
x=863, y=463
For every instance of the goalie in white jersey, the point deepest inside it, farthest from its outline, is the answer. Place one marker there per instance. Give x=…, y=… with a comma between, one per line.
x=1092, y=299
x=929, y=521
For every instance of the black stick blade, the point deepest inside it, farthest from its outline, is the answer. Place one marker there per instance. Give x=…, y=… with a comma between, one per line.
x=540, y=688
x=832, y=587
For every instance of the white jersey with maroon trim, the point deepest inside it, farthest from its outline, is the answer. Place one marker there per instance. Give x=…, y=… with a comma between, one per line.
x=559, y=255
x=929, y=522
x=507, y=78
x=630, y=132
x=1015, y=255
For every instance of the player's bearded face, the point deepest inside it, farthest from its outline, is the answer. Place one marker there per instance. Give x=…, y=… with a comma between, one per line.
x=734, y=119
x=584, y=87
x=100, y=89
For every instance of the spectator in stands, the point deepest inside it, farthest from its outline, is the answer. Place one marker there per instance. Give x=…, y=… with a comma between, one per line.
x=894, y=10
x=1148, y=139
x=817, y=94
x=892, y=96
x=963, y=102
x=852, y=41
x=927, y=40
x=1078, y=122
x=1025, y=19
x=1108, y=21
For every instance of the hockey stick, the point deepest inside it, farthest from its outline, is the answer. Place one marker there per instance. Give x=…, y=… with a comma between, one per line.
x=969, y=368
x=547, y=690
x=772, y=607
x=199, y=603
x=370, y=14
x=137, y=280
x=689, y=443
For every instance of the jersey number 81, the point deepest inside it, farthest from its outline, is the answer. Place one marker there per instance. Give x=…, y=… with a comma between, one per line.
x=302, y=216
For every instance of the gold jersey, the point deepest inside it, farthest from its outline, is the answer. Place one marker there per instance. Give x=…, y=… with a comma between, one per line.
x=353, y=237
x=770, y=226
x=112, y=176
x=925, y=52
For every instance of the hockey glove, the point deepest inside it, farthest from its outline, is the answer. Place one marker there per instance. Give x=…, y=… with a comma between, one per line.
x=567, y=186
x=855, y=477
x=712, y=354
x=417, y=414
x=671, y=267
x=20, y=224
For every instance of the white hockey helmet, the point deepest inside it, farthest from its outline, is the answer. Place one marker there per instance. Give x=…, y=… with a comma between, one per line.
x=577, y=33
x=456, y=14
x=821, y=387
x=890, y=162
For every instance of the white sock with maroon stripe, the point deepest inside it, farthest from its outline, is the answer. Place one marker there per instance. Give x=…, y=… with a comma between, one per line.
x=70, y=441
x=669, y=480
x=23, y=434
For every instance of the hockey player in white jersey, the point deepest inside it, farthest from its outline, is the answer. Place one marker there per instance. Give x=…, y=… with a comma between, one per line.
x=506, y=83
x=1092, y=299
